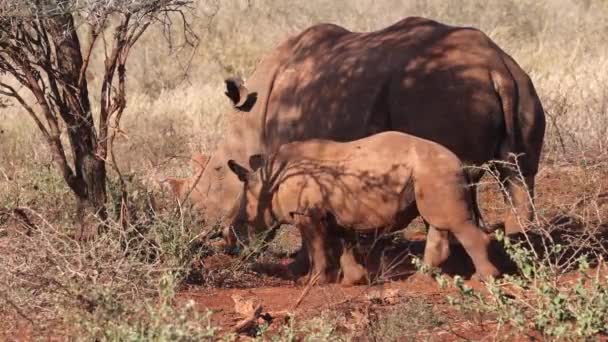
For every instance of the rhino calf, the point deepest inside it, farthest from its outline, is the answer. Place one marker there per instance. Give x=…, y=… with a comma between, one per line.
x=381, y=182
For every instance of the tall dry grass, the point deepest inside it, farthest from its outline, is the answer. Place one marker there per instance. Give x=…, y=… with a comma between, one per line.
x=176, y=99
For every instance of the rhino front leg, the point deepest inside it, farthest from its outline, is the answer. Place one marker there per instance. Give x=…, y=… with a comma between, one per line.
x=314, y=235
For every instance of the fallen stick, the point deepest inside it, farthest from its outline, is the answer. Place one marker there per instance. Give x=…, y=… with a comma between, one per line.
x=311, y=283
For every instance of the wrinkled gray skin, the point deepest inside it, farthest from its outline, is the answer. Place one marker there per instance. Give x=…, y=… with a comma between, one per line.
x=447, y=84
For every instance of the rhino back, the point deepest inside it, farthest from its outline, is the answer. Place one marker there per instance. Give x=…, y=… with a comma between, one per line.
x=417, y=76
x=361, y=183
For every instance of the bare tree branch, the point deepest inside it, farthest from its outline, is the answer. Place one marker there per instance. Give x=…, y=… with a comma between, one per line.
x=87, y=55
x=10, y=91
x=41, y=49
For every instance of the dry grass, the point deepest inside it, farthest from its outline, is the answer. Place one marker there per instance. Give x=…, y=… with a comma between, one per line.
x=177, y=96
x=176, y=105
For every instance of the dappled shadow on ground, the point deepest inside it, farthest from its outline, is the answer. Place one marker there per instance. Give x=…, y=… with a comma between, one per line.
x=577, y=238
x=391, y=259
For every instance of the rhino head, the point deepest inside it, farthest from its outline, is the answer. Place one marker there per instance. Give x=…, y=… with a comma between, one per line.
x=253, y=214
x=212, y=188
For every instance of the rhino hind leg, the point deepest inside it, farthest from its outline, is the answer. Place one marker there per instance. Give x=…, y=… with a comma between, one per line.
x=301, y=264
x=437, y=246
x=448, y=213
x=345, y=240
x=519, y=196
x=476, y=243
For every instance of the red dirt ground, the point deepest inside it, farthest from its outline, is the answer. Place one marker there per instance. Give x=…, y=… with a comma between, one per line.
x=279, y=300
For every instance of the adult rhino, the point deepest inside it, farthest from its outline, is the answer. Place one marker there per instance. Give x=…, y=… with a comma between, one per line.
x=451, y=85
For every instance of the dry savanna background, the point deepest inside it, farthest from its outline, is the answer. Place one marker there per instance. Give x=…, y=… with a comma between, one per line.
x=156, y=273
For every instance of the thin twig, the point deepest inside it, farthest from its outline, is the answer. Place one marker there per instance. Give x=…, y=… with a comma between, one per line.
x=310, y=284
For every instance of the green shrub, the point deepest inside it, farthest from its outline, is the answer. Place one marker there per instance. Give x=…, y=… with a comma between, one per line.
x=540, y=298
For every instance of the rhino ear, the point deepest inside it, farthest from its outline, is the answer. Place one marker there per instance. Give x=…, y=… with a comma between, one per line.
x=238, y=170
x=236, y=90
x=256, y=161
x=239, y=94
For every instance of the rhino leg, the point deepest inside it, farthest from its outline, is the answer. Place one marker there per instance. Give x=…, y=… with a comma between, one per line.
x=353, y=272
x=437, y=247
x=301, y=264
x=314, y=237
x=476, y=243
x=520, y=194
x=473, y=177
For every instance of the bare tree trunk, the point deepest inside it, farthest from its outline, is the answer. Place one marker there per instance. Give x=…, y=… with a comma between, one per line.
x=89, y=168
x=93, y=171
x=41, y=49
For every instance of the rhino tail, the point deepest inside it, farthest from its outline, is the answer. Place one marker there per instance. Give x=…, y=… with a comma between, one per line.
x=508, y=94
x=471, y=194
x=528, y=118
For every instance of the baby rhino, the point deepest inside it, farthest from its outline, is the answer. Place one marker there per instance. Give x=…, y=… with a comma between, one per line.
x=381, y=182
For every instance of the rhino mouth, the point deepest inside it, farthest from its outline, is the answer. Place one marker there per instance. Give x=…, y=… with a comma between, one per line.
x=241, y=236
